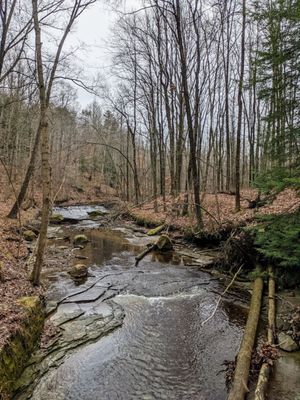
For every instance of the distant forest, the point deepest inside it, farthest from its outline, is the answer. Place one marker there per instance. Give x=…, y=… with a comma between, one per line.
x=203, y=96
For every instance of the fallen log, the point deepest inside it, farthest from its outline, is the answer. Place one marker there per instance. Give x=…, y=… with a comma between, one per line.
x=156, y=231
x=239, y=387
x=163, y=243
x=263, y=379
x=142, y=255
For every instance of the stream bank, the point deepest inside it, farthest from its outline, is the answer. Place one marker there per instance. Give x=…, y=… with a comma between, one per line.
x=132, y=333
x=16, y=352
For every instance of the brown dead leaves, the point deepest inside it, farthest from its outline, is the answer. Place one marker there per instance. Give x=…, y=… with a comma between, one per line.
x=14, y=281
x=218, y=209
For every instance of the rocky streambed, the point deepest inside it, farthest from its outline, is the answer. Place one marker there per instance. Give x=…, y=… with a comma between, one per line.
x=127, y=332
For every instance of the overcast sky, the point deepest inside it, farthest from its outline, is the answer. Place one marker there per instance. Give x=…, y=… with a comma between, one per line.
x=94, y=29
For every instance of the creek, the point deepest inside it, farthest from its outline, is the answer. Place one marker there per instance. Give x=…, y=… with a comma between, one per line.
x=137, y=333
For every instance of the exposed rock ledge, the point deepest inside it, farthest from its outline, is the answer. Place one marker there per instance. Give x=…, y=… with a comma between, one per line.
x=18, y=349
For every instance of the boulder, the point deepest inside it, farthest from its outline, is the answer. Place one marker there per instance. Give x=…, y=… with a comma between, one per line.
x=29, y=235
x=164, y=243
x=80, y=240
x=287, y=343
x=56, y=218
x=96, y=213
x=79, y=271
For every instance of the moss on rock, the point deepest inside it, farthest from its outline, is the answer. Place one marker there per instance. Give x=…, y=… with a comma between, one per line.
x=96, y=213
x=80, y=239
x=79, y=271
x=29, y=235
x=17, y=351
x=164, y=243
x=56, y=218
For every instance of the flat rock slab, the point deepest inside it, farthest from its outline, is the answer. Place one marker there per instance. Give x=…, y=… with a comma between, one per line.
x=91, y=295
x=99, y=308
x=61, y=318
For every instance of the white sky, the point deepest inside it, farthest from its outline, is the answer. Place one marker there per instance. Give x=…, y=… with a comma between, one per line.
x=93, y=30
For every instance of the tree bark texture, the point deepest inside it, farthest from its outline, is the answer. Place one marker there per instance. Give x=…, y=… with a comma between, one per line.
x=240, y=382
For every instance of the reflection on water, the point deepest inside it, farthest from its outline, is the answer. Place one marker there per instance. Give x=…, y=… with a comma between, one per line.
x=104, y=243
x=160, y=353
x=170, y=258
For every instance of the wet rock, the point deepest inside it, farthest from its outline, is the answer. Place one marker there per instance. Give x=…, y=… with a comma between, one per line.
x=87, y=297
x=80, y=240
x=62, y=318
x=77, y=331
x=164, y=243
x=56, y=218
x=287, y=343
x=29, y=235
x=51, y=306
x=54, y=232
x=79, y=271
x=96, y=213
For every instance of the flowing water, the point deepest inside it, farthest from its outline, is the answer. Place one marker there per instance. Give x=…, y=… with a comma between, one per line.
x=136, y=333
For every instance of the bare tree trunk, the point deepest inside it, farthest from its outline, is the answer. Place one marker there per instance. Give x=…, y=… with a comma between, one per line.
x=46, y=185
x=240, y=107
x=44, y=96
x=45, y=152
x=191, y=132
x=179, y=145
x=30, y=168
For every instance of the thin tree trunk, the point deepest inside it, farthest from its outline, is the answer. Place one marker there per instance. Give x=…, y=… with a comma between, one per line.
x=45, y=152
x=240, y=108
x=191, y=131
x=30, y=168
x=46, y=185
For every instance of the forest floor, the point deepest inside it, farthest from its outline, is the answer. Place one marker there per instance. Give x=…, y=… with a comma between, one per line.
x=14, y=250
x=218, y=210
x=14, y=282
